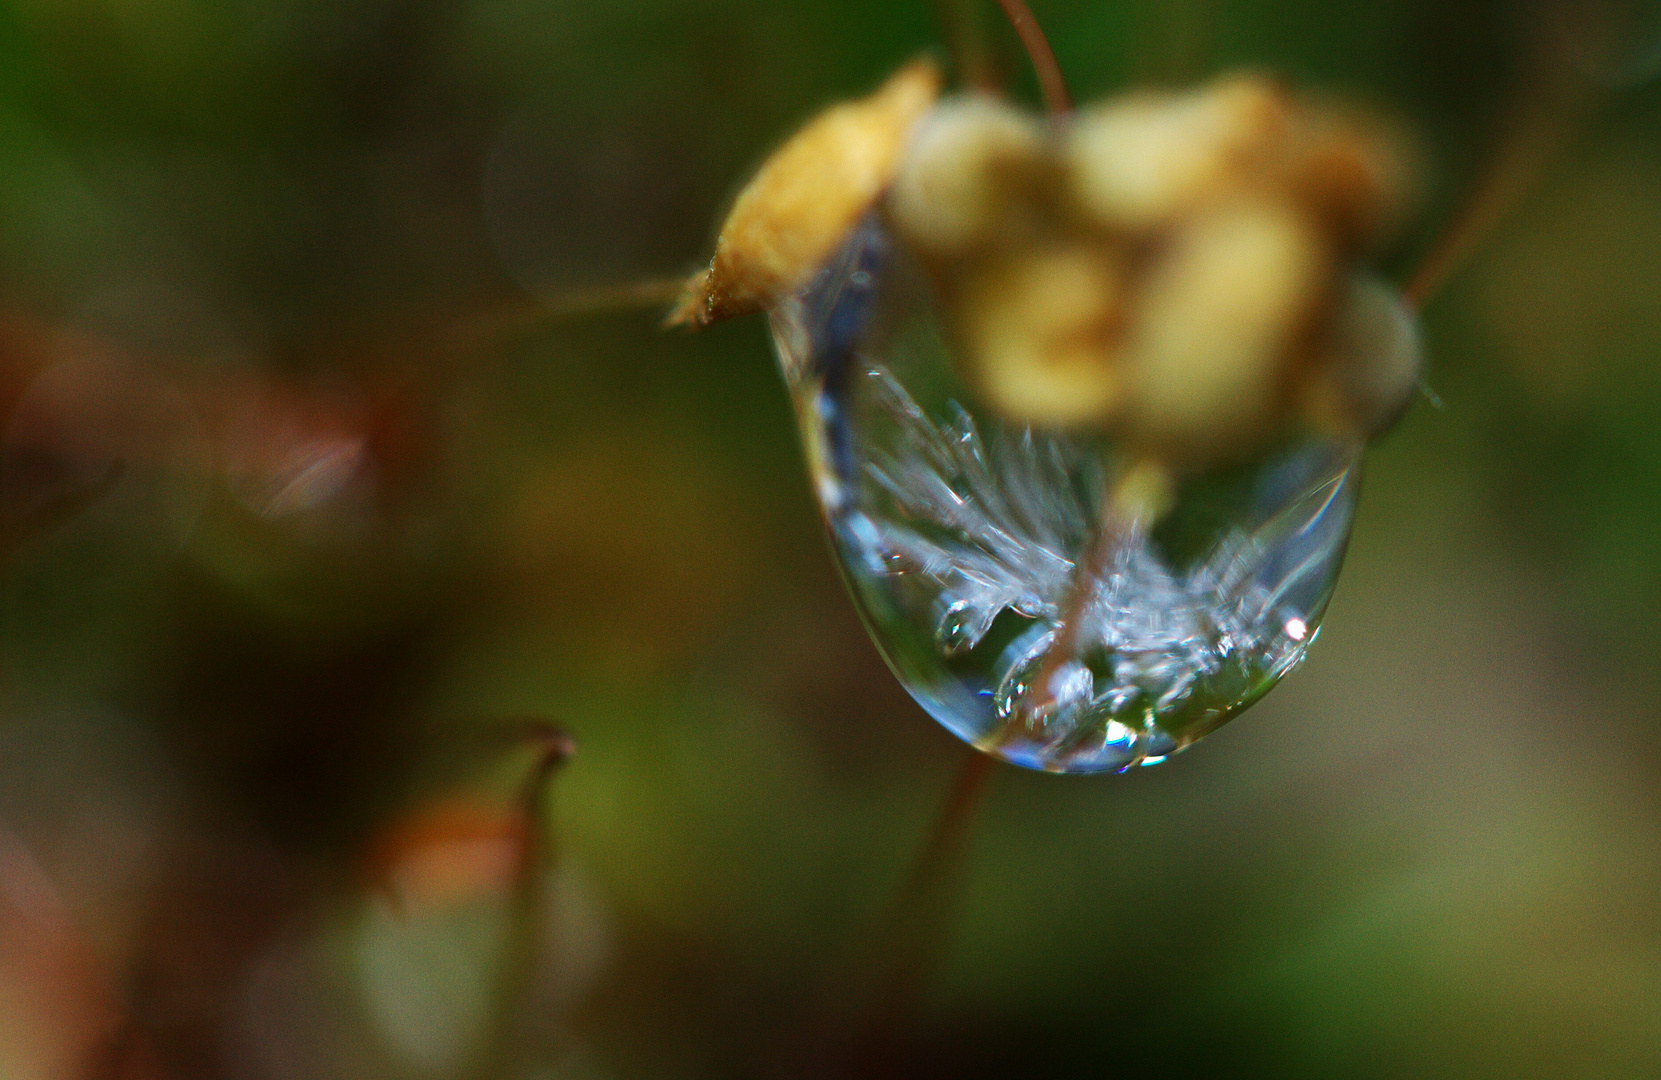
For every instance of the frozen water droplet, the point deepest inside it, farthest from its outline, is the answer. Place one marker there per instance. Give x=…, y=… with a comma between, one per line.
x=967, y=541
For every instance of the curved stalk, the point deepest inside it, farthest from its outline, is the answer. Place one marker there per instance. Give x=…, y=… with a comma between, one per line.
x=1050, y=82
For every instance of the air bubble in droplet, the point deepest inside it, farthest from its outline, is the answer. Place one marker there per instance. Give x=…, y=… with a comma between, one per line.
x=1054, y=708
x=963, y=625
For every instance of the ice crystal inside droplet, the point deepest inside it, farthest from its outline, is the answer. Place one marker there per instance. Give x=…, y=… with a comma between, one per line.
x=961, y=537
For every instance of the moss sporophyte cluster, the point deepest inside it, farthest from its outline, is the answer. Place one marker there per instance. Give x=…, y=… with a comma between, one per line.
x=1082, y=395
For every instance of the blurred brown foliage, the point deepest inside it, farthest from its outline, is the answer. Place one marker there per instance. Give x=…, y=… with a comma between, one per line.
x=304, y=505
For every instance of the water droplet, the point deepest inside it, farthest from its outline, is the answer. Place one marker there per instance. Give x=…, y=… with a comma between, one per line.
x=963, y=536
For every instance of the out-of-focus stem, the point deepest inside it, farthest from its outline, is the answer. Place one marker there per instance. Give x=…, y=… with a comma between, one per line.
x=1553, y=99
x=910, y=936
x=1535, y=135
x=523, y=947
x=60, y=509
x=966, y=43
x=528, y=315
x=1050, y=82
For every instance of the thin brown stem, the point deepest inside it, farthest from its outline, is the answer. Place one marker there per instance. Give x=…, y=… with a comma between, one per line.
x=1552, y=101
x=911, y=935
x=528, y=913
x=1130, y=504
x=610, y=299
x=1535, y=136
x=1040, y=698
x=860, y=1018
x=526, y=315
x=966, y=43
x=1050, y=82
x=939, y=858
x=59, y=509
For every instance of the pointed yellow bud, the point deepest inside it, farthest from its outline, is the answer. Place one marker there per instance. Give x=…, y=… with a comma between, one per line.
x=801, y=204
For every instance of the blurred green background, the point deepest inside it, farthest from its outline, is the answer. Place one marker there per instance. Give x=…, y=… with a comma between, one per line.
x=307, y=510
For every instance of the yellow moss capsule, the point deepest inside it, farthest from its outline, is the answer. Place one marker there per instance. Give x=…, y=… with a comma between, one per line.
x=1170, y=269
x=800, y=205
x=1352, y=171
x=1039, y=333
x=1364, y=377
x=1137, y=162
x=1216, y=328
x=966, y=182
